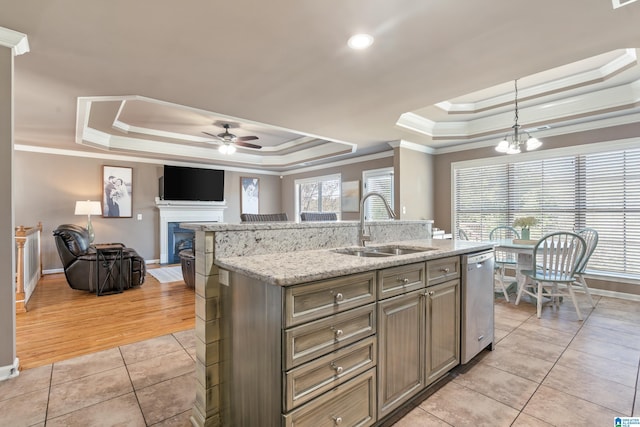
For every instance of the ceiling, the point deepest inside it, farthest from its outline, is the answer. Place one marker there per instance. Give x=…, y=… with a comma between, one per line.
x=147, y=78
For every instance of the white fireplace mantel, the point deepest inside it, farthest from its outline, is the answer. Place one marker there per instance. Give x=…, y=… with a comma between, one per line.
x=185, y=211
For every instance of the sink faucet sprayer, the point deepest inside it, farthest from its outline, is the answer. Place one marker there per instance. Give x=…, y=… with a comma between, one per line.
x=364, y=237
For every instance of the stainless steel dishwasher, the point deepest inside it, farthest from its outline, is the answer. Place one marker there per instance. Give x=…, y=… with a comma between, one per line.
x=477, y=304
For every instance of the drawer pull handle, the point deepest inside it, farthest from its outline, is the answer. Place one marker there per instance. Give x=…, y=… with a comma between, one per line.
x=337, y=332
x=445, y=270
x=337, y=420
x=404, y=280
x=338, y=369
x=339, y=297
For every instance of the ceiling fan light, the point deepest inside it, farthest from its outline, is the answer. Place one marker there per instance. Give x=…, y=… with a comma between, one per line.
x=224, y=149
x=533, y=143
x=231, y=149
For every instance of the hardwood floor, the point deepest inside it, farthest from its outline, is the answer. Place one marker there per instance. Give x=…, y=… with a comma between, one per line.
x=63, y=323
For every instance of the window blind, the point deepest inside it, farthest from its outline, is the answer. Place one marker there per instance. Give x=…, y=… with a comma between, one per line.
x=596, y=190
x=379, y=181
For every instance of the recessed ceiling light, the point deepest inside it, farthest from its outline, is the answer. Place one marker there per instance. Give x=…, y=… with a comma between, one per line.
x=360, y=41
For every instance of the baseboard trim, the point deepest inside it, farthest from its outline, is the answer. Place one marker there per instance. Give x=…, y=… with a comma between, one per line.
x=9, y=371
x=614, y=294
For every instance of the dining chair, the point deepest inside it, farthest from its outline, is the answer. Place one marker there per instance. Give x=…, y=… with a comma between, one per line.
x=462, y=235
x=245, y=217
x=504, y=259
x=590, y=236
x=556, y=258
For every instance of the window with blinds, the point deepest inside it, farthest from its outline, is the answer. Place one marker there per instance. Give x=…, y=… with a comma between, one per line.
x=379, y=181
x=318, y=194
x=597, y=190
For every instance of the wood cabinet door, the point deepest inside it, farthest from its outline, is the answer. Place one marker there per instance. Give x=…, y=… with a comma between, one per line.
x=400, y=344
x=443, y=329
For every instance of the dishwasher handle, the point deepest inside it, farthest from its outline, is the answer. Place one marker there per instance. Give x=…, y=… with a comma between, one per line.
x=478, y=258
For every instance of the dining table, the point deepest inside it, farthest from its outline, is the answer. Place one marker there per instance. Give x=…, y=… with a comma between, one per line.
x=524, y=251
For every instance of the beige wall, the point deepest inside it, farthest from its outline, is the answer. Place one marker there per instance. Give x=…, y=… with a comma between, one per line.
x=47, y=187
x=351, y=172
x=414, y=184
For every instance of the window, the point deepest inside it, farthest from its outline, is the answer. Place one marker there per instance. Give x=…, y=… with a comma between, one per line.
x=318, y=194
x=379, y=181
x=597, y=189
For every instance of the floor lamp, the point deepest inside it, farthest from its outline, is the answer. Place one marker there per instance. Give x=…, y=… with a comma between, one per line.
x=88, y=208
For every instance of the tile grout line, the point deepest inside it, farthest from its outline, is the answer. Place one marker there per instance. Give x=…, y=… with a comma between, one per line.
x=46, y=411
x=582, y=322
x=635, y=394
x=135, y=392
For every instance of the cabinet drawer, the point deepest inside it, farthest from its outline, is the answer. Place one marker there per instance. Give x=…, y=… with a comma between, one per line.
x=398, y=280
x=314, y=378
x=351, y=404
x=305, y=342
x=315, y=300
x=441, y=270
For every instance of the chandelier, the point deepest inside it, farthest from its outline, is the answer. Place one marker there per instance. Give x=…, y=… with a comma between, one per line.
x=512, y=142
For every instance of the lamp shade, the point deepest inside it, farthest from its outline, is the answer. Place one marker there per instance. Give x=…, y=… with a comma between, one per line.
x=88, y=207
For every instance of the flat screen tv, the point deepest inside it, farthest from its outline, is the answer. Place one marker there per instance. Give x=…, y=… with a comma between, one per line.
x=183, y=183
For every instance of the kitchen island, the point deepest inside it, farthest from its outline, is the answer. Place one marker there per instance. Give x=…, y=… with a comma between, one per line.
x=291, y=329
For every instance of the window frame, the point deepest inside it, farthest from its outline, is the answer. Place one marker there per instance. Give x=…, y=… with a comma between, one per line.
x=317, y=179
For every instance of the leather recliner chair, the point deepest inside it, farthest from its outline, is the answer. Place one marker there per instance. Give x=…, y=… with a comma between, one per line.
x=79, y=261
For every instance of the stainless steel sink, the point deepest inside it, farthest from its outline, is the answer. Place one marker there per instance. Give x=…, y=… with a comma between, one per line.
x=362, y=252
x=401, y=250
x=382, y=251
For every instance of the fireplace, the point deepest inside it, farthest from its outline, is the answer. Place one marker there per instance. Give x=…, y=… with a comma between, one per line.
x=184, y=211
x=178, y=240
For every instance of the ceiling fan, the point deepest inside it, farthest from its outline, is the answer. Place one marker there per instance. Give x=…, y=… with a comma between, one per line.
x=229, y=140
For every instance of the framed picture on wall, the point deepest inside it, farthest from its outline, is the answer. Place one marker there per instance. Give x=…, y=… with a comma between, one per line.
x=116, y=192
x=350, y=196
x=249, y=195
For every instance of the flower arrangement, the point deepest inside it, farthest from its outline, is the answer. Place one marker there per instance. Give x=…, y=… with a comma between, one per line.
x=525, y=222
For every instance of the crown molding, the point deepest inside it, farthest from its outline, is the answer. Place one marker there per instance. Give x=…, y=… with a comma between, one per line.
x=411, y=146
x=344, y=162
x=605, y=122
x=269, y=157
x=134, y=159
x=589, y=105
x=14, y=40
x=627, y=58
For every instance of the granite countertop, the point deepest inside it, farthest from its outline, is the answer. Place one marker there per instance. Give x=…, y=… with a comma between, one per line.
x=289, y=268
x=283, y=225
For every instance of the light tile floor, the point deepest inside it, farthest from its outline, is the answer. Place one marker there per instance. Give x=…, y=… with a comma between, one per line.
x=553, y=371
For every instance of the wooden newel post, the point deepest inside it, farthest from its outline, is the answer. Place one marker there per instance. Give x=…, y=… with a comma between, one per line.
x=21, y=238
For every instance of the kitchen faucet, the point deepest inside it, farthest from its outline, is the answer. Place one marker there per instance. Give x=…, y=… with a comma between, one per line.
x=364, y=237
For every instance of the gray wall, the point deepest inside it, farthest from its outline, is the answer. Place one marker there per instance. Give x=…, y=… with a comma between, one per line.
x=48, y=185
x=7, y=248
x=351, y=172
